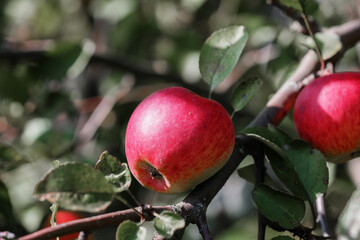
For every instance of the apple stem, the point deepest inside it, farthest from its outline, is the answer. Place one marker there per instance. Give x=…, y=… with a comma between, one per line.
x=317, y=48
x=232, y=114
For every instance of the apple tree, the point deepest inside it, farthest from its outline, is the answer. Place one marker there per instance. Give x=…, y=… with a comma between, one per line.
x=180, y=119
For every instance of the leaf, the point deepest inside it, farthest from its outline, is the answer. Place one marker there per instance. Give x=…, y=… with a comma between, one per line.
x=10, y=158
x=248, y=173
x=220, y=53
x=129, y=230
x=86, y=202
x=75, y=186
x=279, y=207
x=275, y=139
x=167, y=222
x=310, y=164
x=307, y=6
x=116, y=173
x=347, y=226
x=294, y=4
x=244, y=92
x=286, y=172
x=329, y=43
x=302, y=169
x=282, y=238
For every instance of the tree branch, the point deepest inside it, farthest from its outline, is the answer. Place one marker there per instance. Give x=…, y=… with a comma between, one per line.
x=92, y=223
x=203, y=227
x=259, y=159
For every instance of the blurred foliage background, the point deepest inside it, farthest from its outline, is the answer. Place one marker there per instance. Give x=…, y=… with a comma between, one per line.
x=72, y=72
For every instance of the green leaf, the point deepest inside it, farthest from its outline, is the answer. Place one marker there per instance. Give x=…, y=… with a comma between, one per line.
x=294, y=4
x=300, y=167
x=282, y=238
x=329, y=44
x=271, y=137
x=310, y=165
x=86, y=202
x=75, y=186
x=10, y=158
x=167, y=222
x=248, y=173
x=116, y=173
x=348, y=227
x=307, y=6
x=283, y=162
x=129, y=230
x=244, y=92
x=220, y=53
x=286, y=172
x=279, y=207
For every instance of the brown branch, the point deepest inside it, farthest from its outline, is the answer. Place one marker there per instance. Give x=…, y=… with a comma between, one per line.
x=199, y=199
x=204, y=227
x=92, y=223
x=259, y=156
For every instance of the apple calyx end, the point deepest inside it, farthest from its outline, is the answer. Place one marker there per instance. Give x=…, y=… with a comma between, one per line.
x=154, y=173
x=151, y=174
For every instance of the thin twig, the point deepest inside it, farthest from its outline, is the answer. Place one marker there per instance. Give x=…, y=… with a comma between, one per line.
x=90, y=224
x=314, y=26
x=107, y=103
x=317, y=47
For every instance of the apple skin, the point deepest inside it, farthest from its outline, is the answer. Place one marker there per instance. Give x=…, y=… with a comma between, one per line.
x=63, y=216
x=176, y=139
x=327, y=115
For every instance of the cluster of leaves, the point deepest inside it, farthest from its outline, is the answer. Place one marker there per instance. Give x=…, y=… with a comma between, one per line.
x=80, y=187
x=218, y=57
x=302, y=176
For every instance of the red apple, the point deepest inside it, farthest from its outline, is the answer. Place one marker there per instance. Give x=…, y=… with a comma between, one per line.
x=176, y=139
x=63, y=216
x=327, y=114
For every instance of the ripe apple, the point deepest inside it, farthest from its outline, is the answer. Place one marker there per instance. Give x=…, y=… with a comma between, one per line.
x=327, y=114
x=63, y=216
x=176, y=139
